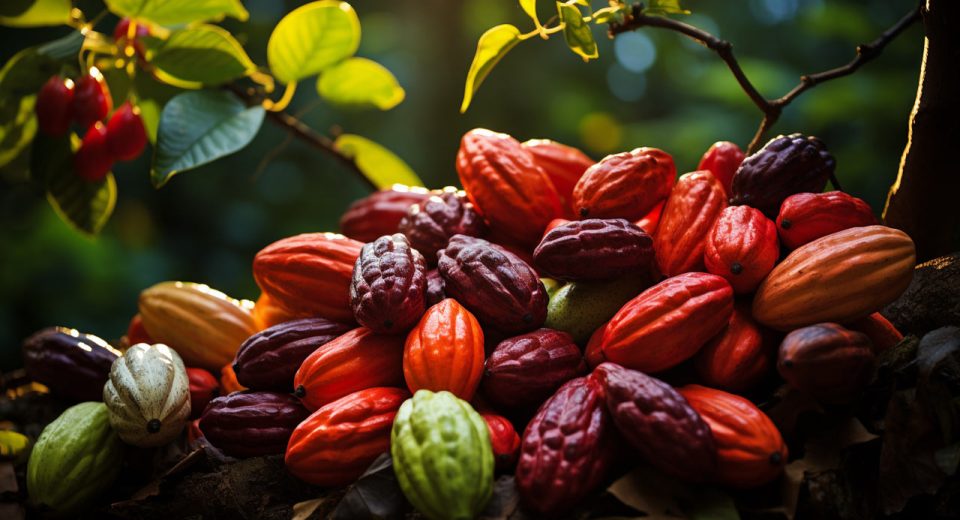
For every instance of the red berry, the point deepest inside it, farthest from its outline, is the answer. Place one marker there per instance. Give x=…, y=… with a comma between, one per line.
x=93, y=160
x=91, y=99
x=53, y=106
x=123, y=27
x=126, y=136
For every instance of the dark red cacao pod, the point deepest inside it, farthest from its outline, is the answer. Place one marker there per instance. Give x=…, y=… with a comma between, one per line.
x=504, y=440
x=625, y=185
x=742, y=247
x=563, y=164
x=525, y=370
x=388, y=289
x=435, y=292
x=594, y=249
x=805, y=217
x=380, y=213
x=203, y=388
x=499, y=288
x=251, y=424
x=430, y=224
x=567, y=449
x=269, y=359
x=73, y=365
x=883, y=334
x=722, y=159
x=826, y=360
x=657, y=422
x=740, y=356
x=787, y=164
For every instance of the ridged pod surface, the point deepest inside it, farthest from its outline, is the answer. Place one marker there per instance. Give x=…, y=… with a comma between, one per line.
x=625, y=185
x=594, y=249
x=740, y=356
x=722, y=159
x=805, y=217
x=379, y=213
x=694, y=205
x=73, y=365
x=883, y=334
x=504, y=441
x=838, y=278
x=388, y=290
x=429, y=224
x=252, y=424
x=445, y=351
x=435, y=292
x=563, y=164
x=827, y=361
x=742, y=247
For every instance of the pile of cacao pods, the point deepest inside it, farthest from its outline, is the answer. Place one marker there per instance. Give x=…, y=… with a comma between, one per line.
x=535, y=323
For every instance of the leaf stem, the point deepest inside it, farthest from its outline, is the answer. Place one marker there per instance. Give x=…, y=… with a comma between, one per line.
x=276, y=106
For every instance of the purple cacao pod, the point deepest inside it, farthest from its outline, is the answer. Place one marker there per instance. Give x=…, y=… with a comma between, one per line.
x=435, y=292
x=251, y=424
x=388, y=291
x=827, y=361
x=430, y=224
x=269, y=359
x=379, y=213
x=523, y=371
x=593, y=250
x=499, y=288
x=73, y=365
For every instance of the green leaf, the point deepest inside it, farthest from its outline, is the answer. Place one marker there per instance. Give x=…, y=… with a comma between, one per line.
x=83, y=204
x=35, y=13
x=492, y=47
x=530, y=7
x=360, y=82
x=199, y=127
x=175, y=12
x=610, y=14
x=577, y=32
x=152, y=95
x=665, y=7
x=204, y=55
x=312, y=38
x=378, y=164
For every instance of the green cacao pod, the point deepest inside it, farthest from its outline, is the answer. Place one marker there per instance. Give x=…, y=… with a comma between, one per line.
x=442, y=456
x=76, y=458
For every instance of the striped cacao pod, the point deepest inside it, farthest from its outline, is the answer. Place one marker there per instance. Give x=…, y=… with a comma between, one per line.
x=593, y=250
x=625, y=185
x=523, y=371
x=694, y=205
x=445, y=351
x=430, y=224
x=73, y=365
x=805, y=217
x=827, y=361
x=722, y=159
x=252, y=424
x=739, y=357
x=563, y=164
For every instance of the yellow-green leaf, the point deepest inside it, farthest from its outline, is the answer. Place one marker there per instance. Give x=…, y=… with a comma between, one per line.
x=12, y=444
x=360, y=82
x=203, y=54
x=577, y=32
x=378, y=164
x=665, y=7
x=312, y=38
x=530, y=7
x=492, y=47
x=35, y=13
x=175, y=12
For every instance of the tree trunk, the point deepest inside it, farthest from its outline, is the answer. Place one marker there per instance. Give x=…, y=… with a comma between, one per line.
x=925, y=200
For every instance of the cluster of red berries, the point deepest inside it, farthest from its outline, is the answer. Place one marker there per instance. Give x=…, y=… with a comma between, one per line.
x=87, y=102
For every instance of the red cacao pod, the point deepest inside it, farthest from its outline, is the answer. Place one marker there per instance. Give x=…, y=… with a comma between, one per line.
x=566, y=450
x=309, y=275
x=379, y=213
x=594, y=249
x=137, y=333
x=228, y=381
x=657, y=422
x=354, y=361
x=429, y=224
x=269, y=359
x=504, y=440
x=651, y=221
x=336, y=443
x=506, y=186
x=883, y=334
x=722, y=159
x=251, y=424
x=73, y=365
x=827, y=361
x=445, y=351
x=805, y=217
x=388, y=290
x=625, y=185
x=694, y=205
x=666, y=324
x=750, y=450
x=553, y=224
x=563, y=164
x=525, y=370
x=203, y=388
x=499, y=288
x=742, y=247
x=738, y=358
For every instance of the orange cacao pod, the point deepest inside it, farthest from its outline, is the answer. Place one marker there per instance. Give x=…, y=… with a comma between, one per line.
x=694, y=205
x=651, y=221
x=625, y=185
x=563, y=164
x=742, y=247
x=827, y=361
x=379, y=213
x=309, y=275
x=665, y=325
x=266, y=314
x=336, y=443
x=722, y=160
x=355, y=361
x=838, y=278
x=228, y=381
x=739, y=357
x=805, y=217
x=883, y=335
x=506, y=186
x=504, y=440
x=750, y=450
x=445, y=351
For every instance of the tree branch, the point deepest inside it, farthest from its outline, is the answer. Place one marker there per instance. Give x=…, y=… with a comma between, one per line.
x=771, y=108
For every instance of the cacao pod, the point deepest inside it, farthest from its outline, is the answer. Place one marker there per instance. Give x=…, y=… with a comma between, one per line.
x=203, y=388
x=76, y=459
x=445, y=351
x=506, y=186
x=388, y=290
x=499, y=288
x=579, y=308
x=722, y=159
x=742, y=247
x=594, y=249
x=204, y=326
x=503, y=440
x=228, y=380
x=625, y=185
x=838, y=278
x=666, y=324
x=266, y=314
x=651, y=221
x=805, y=217
x=786, y=165
x=73, y=365
x=435, y=293
x=827, y=361
x=252, y=424
x=430, y=224
x=657, y=422
x=379, y=213
x=148, y=395
x=354, y=361
x=136, y=333
x=563, y=164
x=309, y=275
x=694, y=205
x=442, y=456
x=883, y=335
x=269, y=359
x=523, y=371
x=553, y=224
x=750, y=450
x=738, y=358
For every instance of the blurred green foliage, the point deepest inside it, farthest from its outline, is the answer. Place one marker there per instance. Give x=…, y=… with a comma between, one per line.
x=650, y=88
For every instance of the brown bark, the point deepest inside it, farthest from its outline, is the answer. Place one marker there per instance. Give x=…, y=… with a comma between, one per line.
x=924, y=200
